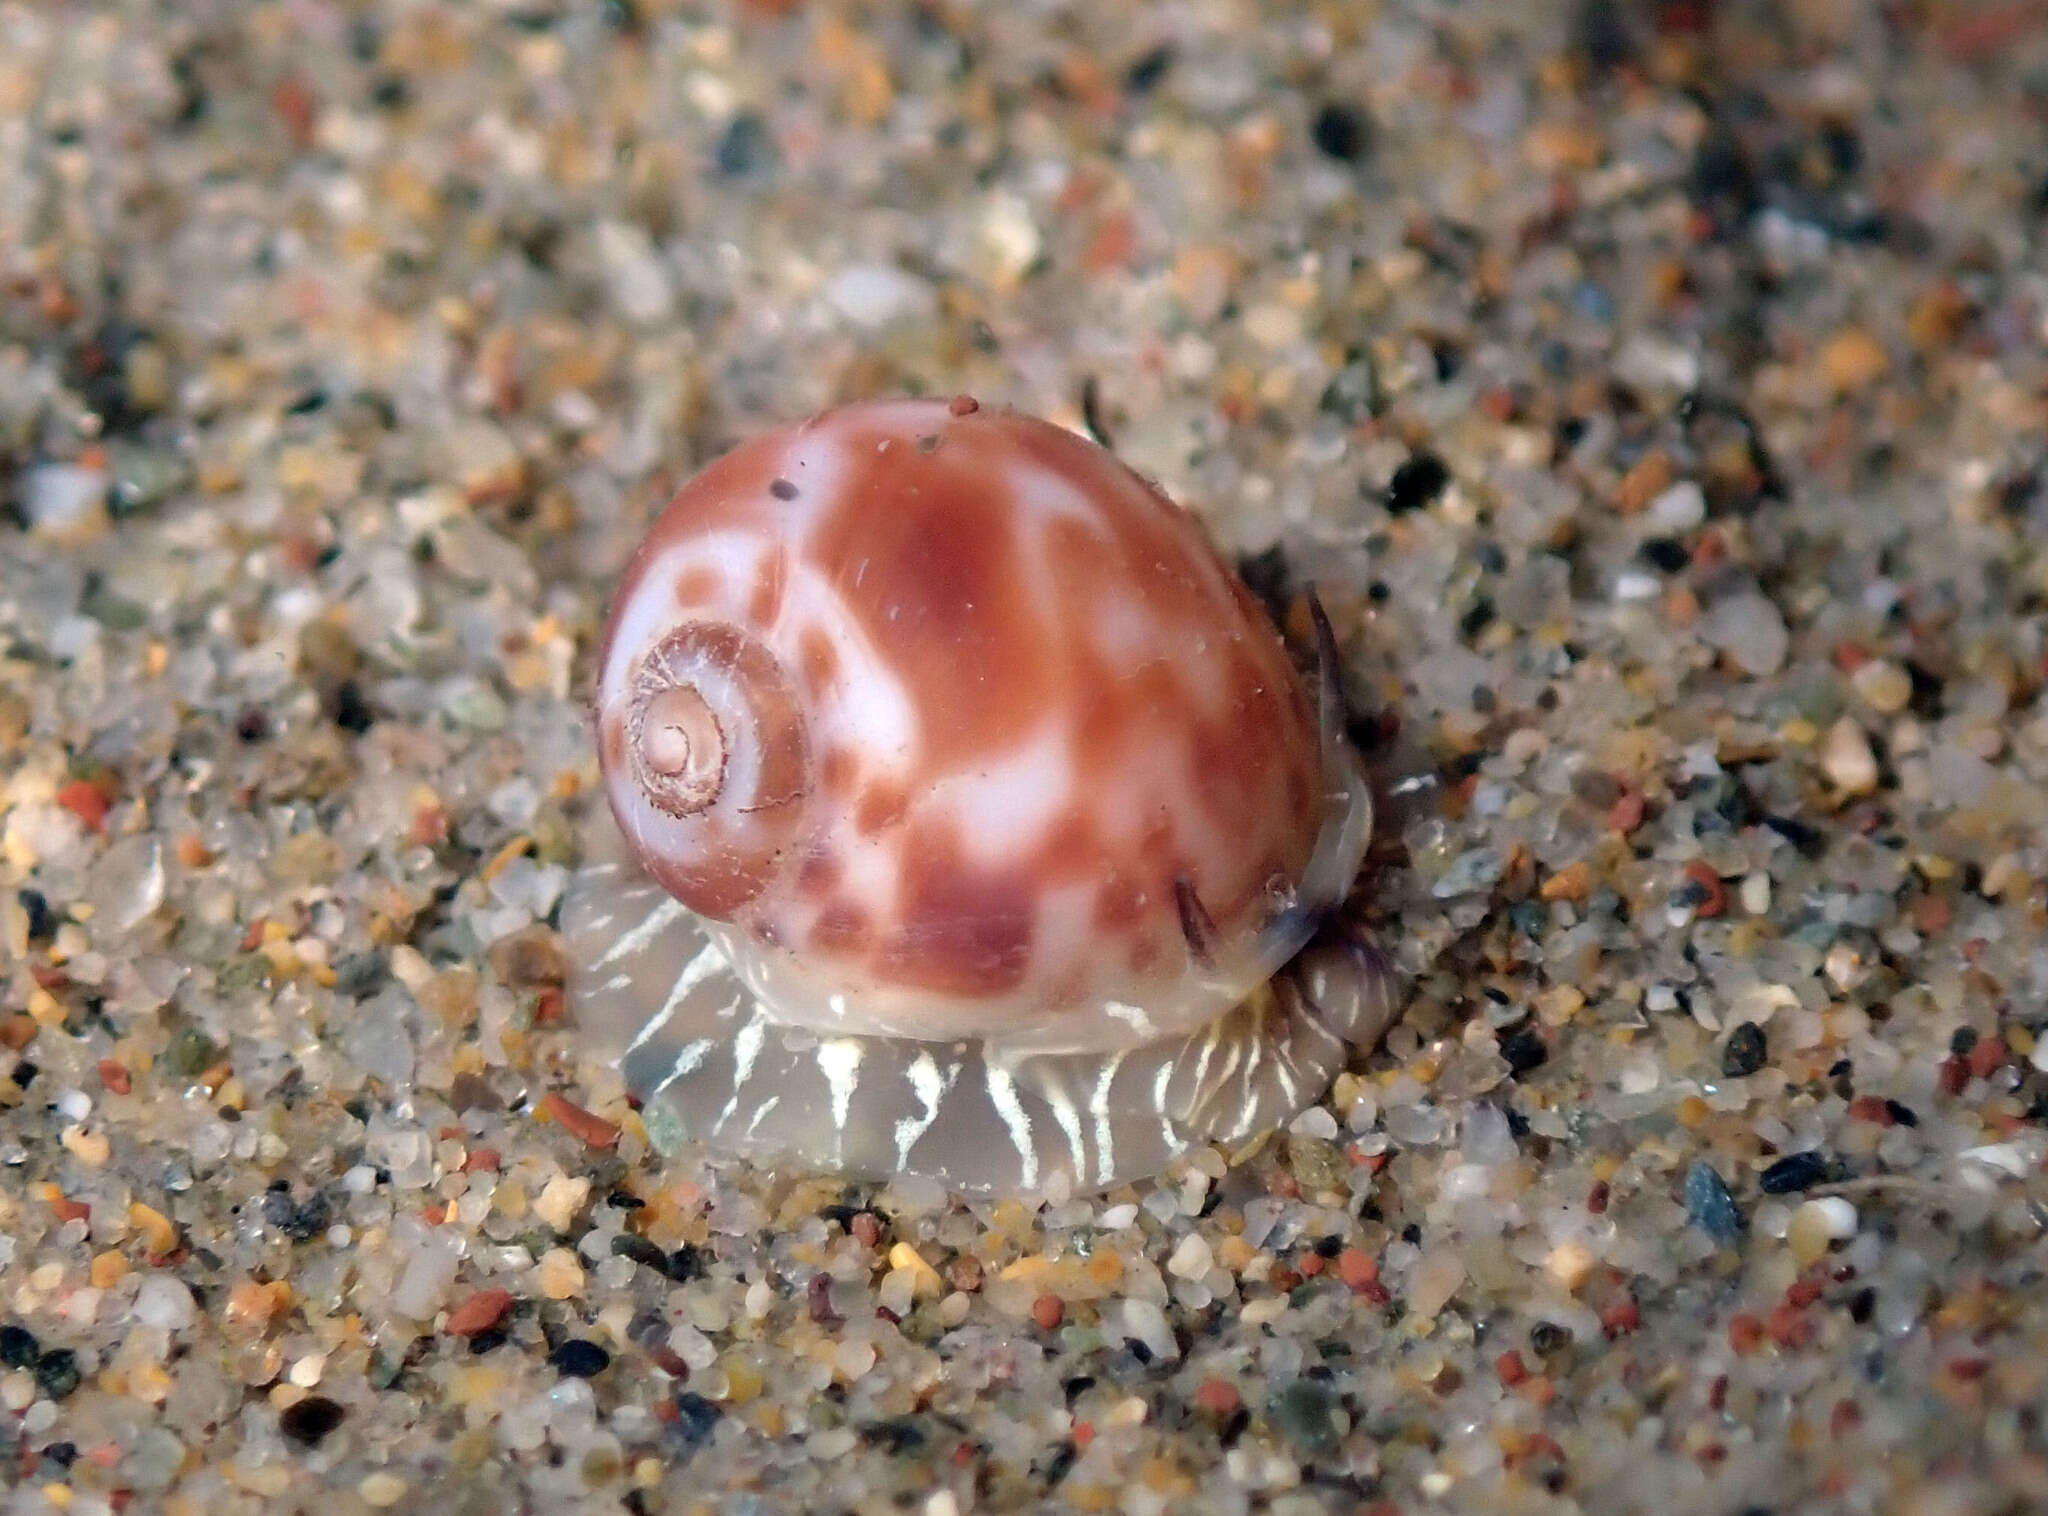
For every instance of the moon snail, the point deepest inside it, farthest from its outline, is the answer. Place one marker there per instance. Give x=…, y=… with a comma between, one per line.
x=972, y=818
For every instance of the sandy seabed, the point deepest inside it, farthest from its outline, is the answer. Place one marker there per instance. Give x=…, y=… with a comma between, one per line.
x=1655, y=394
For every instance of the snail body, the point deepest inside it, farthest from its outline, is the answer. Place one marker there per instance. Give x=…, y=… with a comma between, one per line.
x=966, y=797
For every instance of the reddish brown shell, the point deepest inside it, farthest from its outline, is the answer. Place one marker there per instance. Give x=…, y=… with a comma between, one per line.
x=993, y=798
x=1059, y=773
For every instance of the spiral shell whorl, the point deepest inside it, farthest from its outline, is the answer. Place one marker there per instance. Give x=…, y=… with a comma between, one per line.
x=679, y=750
x=717, y=765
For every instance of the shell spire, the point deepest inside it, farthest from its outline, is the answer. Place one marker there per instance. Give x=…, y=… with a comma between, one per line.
x=715, y=766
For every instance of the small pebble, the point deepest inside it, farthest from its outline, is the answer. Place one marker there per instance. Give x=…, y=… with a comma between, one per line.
x=854, y=1358
x=1218, y=1397
x=1146, y=1323
x=1709, y=1206
x=1569, y=1263
x=60, y=498
x=307, y=1421
x=479, y=1313
x=1816, y=1224
x=1524, y=1050
x=873, y=296
x=18, y=1347
x=578, y=1358
x=1853, y=360
x=1416, y=483
x=696, y=1417
x=1795, y=1172
x=89, y=1147
x=1304, y=1412
x=1745, y=1051
x=57, y=1373
x=904, y=1256
x=1837, y=1215
x=1883, y=686
x=1316, y=1121
x=1435, y=1280
x=1751, y=630
x=560, y=1274
x=746, y=148
x=1341, y=131
x=897, y=1292
x=164, y=1302
x=585, y=1126
x=1679, y=508
x=1192, y=1258
x=1846, y=758
x=1357, y=1268
x=1755, y=893
x=560, y=1199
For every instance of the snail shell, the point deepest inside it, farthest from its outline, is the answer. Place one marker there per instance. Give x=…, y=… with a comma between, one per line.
x=966, y=798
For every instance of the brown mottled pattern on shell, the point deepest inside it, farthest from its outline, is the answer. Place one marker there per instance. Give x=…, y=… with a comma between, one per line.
x=985, y=571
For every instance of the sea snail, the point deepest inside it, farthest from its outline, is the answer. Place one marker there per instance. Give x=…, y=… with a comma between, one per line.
x=969, y=807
